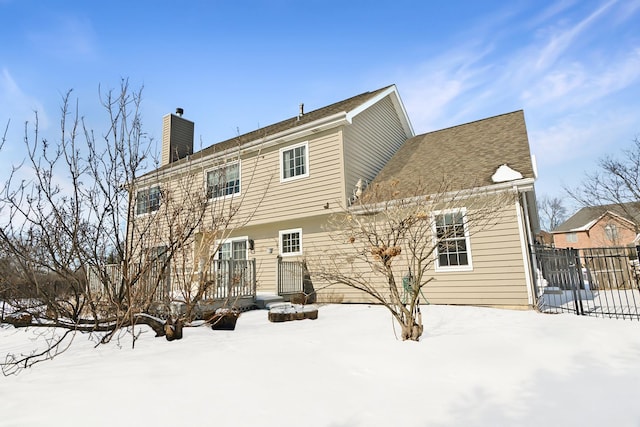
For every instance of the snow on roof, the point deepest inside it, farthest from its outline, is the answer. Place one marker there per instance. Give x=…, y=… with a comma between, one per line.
x=504, y=173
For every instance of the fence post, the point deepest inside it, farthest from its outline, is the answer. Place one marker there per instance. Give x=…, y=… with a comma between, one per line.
x=253, y=277
x=279, y=278
x=575, y=253
x=230, y=278
x=636, y=274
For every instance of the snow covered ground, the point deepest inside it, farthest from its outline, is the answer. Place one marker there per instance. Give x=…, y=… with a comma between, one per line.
x=473, y=367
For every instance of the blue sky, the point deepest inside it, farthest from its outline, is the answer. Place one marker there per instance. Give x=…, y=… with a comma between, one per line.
x=572, y=66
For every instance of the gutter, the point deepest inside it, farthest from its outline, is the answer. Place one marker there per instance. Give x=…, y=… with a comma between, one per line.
x=517, y=186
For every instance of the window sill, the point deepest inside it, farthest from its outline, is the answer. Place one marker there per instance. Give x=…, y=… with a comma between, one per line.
x=455, y=269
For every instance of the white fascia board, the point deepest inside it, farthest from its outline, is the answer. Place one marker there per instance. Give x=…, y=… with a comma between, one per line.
x=520, y=186
x=591, y=223
x=397, y=103
x=586, y=227
x=618, y=217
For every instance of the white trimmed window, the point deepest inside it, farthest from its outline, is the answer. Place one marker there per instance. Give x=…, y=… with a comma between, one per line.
x=571, y=237
x=148, y=200
x=453, y=250
x=294, y=162
x=235, y=249
x=291, y=242
x=223, y=181
x=611, y=232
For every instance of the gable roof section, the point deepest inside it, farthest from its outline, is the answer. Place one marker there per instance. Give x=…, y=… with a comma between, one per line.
x=587, y=217
x=465, y=156
x=342, y=110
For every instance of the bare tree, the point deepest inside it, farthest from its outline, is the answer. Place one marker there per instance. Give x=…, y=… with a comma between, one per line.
x=616, y=181
x=386, y=247
x=76, y=203
x=553, y=211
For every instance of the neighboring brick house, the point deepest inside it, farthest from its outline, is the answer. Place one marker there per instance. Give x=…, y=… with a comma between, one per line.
x=599, y=226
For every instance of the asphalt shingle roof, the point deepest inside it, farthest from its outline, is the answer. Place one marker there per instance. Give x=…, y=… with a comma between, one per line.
x=345, y=106
x=587, y=215
x=465, y=156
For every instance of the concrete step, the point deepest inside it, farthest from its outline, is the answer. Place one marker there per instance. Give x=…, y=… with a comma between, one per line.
x=266, y=301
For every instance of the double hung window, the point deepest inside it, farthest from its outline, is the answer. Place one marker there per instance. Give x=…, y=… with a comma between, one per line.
x=235, y=249
x=294, y=162
x=453, y=252
x=223, y=181
x=148, y=200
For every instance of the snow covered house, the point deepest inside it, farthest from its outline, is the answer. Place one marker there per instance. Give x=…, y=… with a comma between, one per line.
x=284, y=181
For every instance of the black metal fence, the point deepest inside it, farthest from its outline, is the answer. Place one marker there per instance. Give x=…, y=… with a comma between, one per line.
x=290, y=277
x=603, y=282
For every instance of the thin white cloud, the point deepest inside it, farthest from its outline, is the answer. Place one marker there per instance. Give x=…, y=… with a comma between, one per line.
x=435, y=88
x=16, y=105
x=619, y=75
x=67, y=37
x=581, y=82
x=559, y=42
x=627, y=10
x=572, y=94
x=570, y=146
x=551, y=12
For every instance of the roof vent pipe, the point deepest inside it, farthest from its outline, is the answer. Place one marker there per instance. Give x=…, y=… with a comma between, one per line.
x=179, y=112
x=301, y=113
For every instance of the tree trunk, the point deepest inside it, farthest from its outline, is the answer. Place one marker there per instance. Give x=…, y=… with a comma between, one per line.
x=411, y=331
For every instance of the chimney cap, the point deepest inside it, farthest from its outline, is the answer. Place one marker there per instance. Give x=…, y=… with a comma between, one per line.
x=179, y=112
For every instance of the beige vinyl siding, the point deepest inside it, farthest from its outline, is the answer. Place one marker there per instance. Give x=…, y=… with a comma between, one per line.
x=375, y=134
x=370, y=141
x=266, y=246
x=498, y=277
x=316, y=240
x=266, y=199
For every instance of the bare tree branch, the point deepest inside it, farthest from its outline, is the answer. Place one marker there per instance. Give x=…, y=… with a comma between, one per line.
x=387, y=247
x=82, y=258
x=616, y=182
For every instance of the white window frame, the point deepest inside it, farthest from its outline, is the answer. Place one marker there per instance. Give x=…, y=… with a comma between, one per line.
x=306, y=161
x=220, y=243
x=611, y=232
x=148, y=189
x=467, y=239
x=217, y=168
x=281, y=234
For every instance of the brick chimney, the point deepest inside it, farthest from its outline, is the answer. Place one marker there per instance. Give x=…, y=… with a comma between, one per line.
x=177, y=137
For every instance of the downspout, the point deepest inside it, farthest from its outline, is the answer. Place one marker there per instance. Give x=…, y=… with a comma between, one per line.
x=525, y=231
